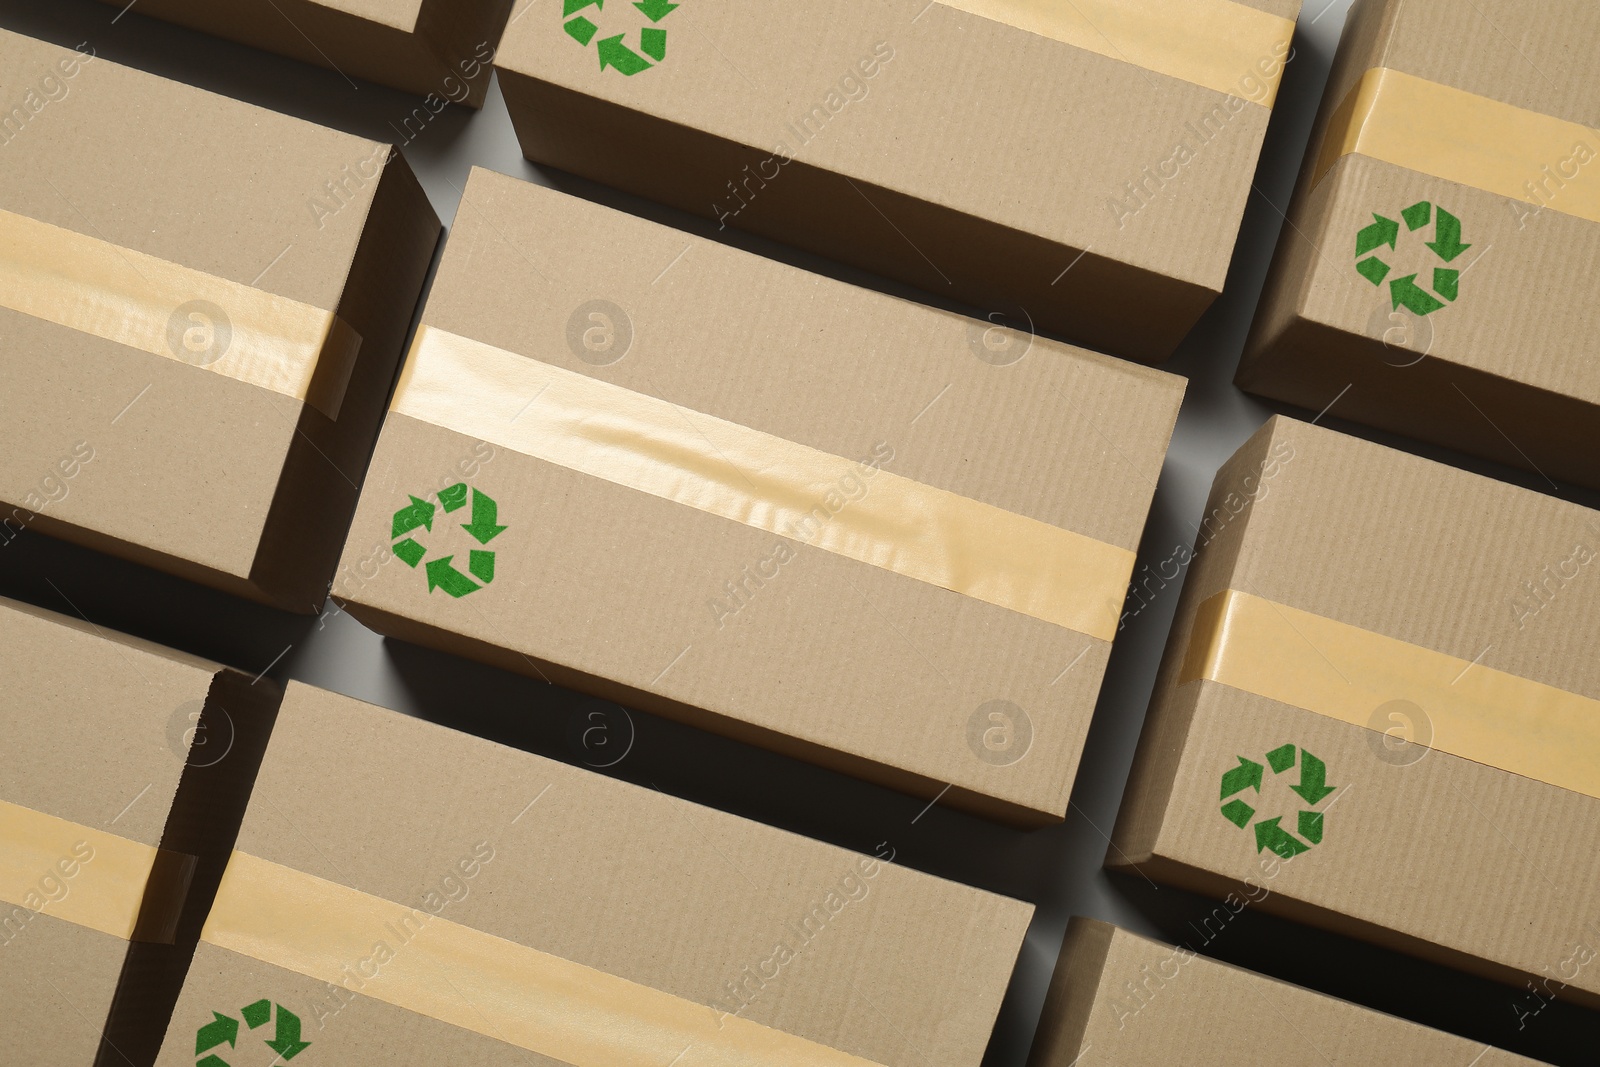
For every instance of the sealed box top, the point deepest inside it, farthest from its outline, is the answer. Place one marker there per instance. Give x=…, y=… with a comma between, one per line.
x=97, y=731
x=1370, y=633
x=440, y=49
x=214, y=230
x=657, y=909
x=1421, y=552
x=1452, y=178
x=950, y=103
x=98, y=725
x=1142, y=1003
x=873, y=624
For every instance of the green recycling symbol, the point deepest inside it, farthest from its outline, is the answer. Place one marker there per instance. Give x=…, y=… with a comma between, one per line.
x=613, y=53
x=442, y=573
x=1446, y=244
x=224, y=1030
x=1313, y=789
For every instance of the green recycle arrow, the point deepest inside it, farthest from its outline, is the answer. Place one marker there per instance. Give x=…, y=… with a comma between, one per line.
x=441, y=575
x=1247, y=775
x=224, y=1030
x=612, y=50
x=1313, y=785
x=1405, y=292
x=485, y=513
x=1270, y=835
x=258, y=1014
x=286, y=1041
x=417, y=515
x=613, y=53
x=1313, y=788
x=1446, y=241
x=441, y=572
x=1382, y=232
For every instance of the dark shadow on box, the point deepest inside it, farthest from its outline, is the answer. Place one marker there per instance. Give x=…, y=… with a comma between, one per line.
x=114, y=594
x=1277, y=169
x=767, y=248
x=302, y=90
x=1077, y=849
x=727, y=775
x=694, y=765
x=201, y=831
x=1589, y=498
x=1476, y=1008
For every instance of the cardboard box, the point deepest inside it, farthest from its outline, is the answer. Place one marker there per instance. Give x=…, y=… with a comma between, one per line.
x=125, y=773
x=1141, y=1003
x=888, y=539
x=439, y=49
x=1386, y=664
x=1435, y=275
x=202, y=306
x=409, y=895
x=1083, y=167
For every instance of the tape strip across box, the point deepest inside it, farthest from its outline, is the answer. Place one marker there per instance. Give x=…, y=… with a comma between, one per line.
x=120, y=794
x=441, y=50
x=444, y=899
x=1435, y=272
x=1124, y=999
x=1381, y=677
x=195, y=389
x=1079, y=166
x=884, y=538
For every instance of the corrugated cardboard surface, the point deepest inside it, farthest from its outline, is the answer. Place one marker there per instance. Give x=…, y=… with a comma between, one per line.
x=441, y=48
x=932, y=171
x=98, y=729
x=1427, y=852
x=190, y=471
x=1118, y=998
x=612, y=590
x=656, y=890
x=1509, y=373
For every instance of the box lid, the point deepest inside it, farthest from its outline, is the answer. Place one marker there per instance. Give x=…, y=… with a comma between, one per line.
x=955, y=110
x=132, y=165
x=680, y=604
x=668, y=895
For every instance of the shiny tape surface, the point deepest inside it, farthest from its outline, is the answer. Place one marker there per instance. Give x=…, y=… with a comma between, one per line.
x=105, y=888
x=763, y=481
x=1347, y=673
x=485, y=984
x=177, y=312
x=1461, y=137
x=1216, y=44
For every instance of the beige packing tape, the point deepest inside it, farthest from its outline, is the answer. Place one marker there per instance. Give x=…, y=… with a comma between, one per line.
x=177, y=312
x=763, y=481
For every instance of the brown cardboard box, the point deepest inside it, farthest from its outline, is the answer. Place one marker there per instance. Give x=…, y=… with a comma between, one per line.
x=1395, y=659
x=441, y=49
x=729, y=491
x=408, y=895
x=168, y=267
x=1082, y=166
x=125, y=770
x=1482, y=122
x=1124, y=999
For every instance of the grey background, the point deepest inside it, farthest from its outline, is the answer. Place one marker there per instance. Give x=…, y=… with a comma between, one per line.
x=1059, y=869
